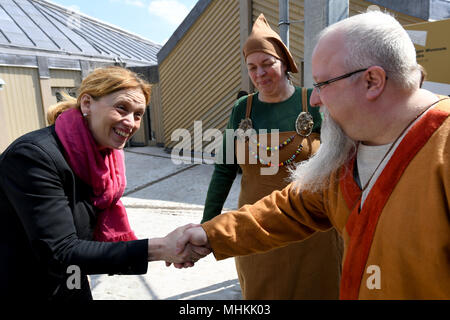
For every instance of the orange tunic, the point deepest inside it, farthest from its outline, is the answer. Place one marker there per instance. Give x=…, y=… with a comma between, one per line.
x=396, y=247
x=301, y=270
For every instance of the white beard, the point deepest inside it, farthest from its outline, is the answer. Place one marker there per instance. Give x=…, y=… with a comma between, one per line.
x=335, y=149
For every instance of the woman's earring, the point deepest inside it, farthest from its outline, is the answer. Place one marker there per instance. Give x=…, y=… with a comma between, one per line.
x=85, y=115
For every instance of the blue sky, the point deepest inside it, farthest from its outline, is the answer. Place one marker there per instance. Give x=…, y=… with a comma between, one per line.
x=154, y=20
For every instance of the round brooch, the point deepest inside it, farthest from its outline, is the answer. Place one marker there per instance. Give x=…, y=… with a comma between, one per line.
x=304, y=124
x=244, y=125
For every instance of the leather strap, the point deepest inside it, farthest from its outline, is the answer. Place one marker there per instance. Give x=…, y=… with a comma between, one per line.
x=249, y=105
x=305, y=99
x=305, y=109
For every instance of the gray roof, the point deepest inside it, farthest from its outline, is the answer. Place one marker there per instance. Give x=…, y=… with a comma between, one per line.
x=41, y=26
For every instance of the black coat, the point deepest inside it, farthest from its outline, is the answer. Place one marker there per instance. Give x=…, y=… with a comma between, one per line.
x=46, y=225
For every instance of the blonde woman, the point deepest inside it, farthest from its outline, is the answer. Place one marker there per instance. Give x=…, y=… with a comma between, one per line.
x=60, y=190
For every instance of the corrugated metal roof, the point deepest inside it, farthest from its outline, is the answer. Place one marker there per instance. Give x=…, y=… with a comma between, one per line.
x=38, y=25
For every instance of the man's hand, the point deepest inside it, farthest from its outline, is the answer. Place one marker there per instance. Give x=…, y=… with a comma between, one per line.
x=193, y=238
x=183, y=254
x=194, y=235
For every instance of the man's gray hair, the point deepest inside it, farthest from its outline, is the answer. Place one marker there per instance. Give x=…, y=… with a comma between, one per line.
x=377, y=39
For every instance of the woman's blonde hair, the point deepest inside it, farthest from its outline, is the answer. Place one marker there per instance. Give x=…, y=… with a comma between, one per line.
x=99, y=83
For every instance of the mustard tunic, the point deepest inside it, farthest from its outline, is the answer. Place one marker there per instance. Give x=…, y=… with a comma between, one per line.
x=304, y=270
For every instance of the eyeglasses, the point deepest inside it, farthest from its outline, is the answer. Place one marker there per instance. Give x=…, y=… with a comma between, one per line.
x=321, y=84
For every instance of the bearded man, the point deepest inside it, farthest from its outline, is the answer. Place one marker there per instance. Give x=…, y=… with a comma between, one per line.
x=381, y=176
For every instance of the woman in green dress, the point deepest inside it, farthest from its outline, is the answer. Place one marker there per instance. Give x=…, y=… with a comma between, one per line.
x=304, y=270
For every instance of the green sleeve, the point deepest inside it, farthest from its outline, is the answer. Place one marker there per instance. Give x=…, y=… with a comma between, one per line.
x=218, y=190
x=222, y=178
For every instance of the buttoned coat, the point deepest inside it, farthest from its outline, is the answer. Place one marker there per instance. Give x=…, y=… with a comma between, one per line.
x=47, y=224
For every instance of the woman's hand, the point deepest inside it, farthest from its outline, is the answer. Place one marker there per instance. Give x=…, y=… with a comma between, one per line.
x=184, y=246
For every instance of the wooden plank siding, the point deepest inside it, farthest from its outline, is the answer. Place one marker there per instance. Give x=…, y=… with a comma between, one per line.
x=200, y=78
x=157, y=131
x=65, y=78
x=67, y=81
x=21, y=101
x=270, y=10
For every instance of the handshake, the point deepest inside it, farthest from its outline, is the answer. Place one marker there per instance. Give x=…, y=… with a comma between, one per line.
x=183, y=247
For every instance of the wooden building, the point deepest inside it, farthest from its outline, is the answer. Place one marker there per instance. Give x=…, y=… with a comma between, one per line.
x=46, y=49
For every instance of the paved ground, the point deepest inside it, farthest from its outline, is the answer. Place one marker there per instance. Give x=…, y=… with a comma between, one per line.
x=160, y=197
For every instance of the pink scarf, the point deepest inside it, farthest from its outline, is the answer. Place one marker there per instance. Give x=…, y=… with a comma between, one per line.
x=103, y=171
